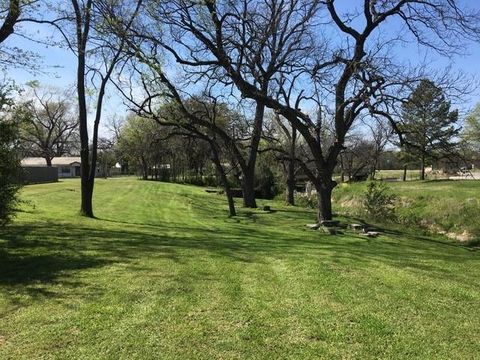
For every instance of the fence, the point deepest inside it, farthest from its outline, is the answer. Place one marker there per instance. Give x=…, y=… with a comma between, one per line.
x=39, y=174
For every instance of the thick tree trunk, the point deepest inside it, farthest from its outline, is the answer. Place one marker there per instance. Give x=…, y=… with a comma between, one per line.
x=324, y=196
x=404, y=178
x=248, y=189
x=248, y=170
x=11, y=19
x=87, y=197
x=48, y=161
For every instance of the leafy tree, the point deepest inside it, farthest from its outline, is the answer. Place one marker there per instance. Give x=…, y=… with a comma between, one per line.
x=106, y=157
x=379, y=203
x=9, y=160
x=139, y=143
x=9, y=171
x=471, y=131
x=429, y=127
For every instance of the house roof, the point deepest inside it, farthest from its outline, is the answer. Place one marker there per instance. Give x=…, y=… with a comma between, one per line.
x=58, y=161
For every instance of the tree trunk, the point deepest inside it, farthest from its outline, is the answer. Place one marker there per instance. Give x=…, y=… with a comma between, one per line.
x=144, y=170
x=49, y=161
x=291, y=182
x=342, y=169
x=248, y=169
x=324, y=196
x=373, y=172
x=248, y=189
x=86, y=206
x=422, y=168
x=11, y=19
x=224, y=180
x=404, y=178
x=87, y=197
x=291, y=169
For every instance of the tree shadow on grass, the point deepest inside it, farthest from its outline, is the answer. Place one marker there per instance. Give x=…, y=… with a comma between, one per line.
x=21, y=268
x=51, y=253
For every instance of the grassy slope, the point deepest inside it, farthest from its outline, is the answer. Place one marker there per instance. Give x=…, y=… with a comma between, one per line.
x=164, y=274
x=452, y=206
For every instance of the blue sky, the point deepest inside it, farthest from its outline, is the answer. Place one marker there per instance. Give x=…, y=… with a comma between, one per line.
x=59, y=66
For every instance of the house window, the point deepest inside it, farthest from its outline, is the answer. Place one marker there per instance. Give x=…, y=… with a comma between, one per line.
x=65, y=170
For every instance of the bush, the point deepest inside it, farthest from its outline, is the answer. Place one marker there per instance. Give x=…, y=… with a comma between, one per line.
x=9, y=172
x=305, y=201
x=379, y=204
x=265, y=183
x=193, y=180
x=210, y=180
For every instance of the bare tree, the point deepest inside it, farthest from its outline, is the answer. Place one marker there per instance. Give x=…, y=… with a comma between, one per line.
x=356, y=71
x=292, y=54
x=282, y=139
x=254, y=54
x=49, y=127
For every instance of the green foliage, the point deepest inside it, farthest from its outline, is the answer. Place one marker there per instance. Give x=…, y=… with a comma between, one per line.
x=471, y=131
x=208, y=180
x=139, y=143
x=379, y=203
x=268, y=176
x=265, y=184
x=429, y=127
x=9, y=171
x=305, y=201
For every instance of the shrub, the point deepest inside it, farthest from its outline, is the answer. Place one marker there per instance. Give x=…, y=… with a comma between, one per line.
x=305, y=201
x=379, y=204
x=210, y=180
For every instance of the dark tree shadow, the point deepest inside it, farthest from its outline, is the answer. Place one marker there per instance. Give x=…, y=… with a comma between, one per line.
x=42, y=253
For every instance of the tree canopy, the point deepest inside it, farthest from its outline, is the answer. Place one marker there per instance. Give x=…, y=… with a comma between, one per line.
x=429, y=125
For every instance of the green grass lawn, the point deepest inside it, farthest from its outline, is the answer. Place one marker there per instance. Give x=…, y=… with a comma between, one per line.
x=164, y=274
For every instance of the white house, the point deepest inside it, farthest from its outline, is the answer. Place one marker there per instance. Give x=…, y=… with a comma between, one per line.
x=68, y=166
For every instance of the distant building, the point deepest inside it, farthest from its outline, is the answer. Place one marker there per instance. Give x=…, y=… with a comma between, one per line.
x=67, y=166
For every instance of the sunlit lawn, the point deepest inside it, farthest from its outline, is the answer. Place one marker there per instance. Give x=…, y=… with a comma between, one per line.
x=164, y=274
